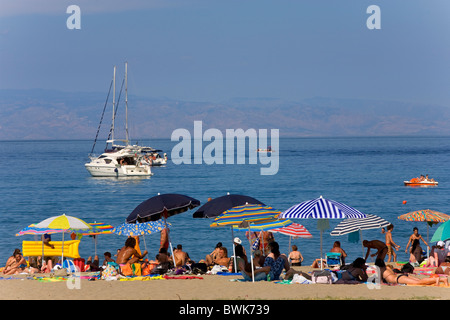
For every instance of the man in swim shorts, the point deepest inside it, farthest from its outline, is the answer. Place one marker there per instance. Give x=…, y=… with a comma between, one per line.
x=391, y=244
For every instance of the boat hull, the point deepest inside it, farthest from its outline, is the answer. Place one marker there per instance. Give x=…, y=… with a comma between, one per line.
x=120, y=171
x=420, y=184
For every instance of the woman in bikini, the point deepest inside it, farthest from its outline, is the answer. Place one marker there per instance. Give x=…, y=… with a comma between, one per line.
x=394, y=278
x=295, y=256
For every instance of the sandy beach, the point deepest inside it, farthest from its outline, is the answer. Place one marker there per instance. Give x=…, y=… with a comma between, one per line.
x=209, y=287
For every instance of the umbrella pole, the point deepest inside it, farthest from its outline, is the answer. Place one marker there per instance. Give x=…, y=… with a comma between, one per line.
x=428, y=241
x=234, y=250
x=251, y=254
x=361, y=239
x=321, y=251
x=62, y=250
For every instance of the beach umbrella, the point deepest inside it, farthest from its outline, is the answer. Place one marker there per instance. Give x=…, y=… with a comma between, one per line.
x=265, y=225
x=32, y=230
x=442, y=233
x=140, y=229
x=98, y=228
x=64, y=223
x=250, y=213
x=217, y=206
x=430, y=216
x=294, y=230
x=162, y=206
x=321, y=209
x=353, y=225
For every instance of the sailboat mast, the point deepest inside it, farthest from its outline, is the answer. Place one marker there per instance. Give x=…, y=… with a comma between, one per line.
x=126, y=103
x=114, y=105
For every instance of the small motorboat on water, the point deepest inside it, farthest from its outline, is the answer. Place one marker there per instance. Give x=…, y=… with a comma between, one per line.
x=421, y=182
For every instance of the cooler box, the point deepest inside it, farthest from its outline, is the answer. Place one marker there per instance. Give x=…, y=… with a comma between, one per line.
x=79, y=263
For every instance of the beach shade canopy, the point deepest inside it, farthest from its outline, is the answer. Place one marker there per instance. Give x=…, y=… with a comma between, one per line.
x=64, y=223
x=294, y=230
x=97, y=228
x=321, y=208
x=264, y=226
x=152, y=209
x=442, y=233
x=425, y=215
x=32, y=230
x=351, y=225
x=140, y=229
x=249, y=212
x=217, y=206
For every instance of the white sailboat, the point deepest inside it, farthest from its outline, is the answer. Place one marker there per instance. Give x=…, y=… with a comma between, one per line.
x=120, y=160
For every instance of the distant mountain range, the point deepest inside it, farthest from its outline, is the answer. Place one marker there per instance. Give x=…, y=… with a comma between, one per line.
x=46, y=114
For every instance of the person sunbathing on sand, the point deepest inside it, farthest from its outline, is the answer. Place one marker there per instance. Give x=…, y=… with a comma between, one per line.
x=400, y=278
x=15, y=265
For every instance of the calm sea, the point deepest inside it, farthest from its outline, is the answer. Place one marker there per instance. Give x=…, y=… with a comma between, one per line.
x=41, y=179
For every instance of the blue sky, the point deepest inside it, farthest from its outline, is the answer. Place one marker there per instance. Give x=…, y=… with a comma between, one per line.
x=215, y=50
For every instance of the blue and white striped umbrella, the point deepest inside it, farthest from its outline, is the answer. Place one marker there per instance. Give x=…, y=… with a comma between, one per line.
x=321, y=208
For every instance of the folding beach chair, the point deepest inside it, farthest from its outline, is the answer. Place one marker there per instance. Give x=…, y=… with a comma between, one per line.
x=333, y=259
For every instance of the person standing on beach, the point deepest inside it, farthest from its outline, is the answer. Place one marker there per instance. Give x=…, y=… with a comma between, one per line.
x=381, y=247
x=391, y=245
x=164, y=243
x=415, y=236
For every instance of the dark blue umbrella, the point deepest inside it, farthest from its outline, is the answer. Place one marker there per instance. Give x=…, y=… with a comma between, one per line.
x=162, y=206
x=153, y=209
x=217, y=206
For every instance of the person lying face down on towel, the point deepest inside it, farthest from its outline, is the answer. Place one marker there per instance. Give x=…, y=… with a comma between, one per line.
x=128, y=254
x=401, y=278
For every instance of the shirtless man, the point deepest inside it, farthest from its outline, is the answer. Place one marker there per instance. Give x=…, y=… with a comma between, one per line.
x=128, y=254
x=415, y=236
x=181, y=257
x=391, y=244
x=401, y=278
x=376, y=244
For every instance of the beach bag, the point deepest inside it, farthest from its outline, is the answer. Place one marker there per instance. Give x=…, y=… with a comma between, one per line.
x=298, y=278
x=199, y=268
x=161, y=268
x=109, y=272
x=321, y=276
x=79, y=263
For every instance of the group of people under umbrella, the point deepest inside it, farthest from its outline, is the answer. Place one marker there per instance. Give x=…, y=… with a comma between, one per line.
x=238, y=212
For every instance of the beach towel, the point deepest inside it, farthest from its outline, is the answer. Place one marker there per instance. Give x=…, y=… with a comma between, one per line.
x=131, y=269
